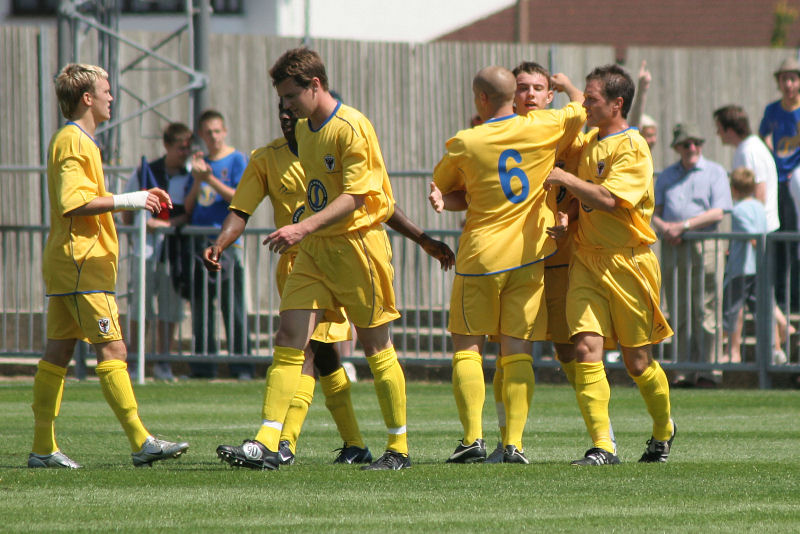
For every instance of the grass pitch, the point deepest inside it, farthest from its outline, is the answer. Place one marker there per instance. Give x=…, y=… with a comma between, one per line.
x=734, y=467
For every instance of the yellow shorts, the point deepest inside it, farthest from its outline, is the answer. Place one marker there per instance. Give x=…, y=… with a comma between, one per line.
x=351, y=271
x=326, y=331
x=617, y=296
x=509, y=303
x=556, y=283
x=91, y=317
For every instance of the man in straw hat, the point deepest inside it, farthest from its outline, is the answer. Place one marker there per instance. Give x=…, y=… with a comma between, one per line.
x=779, y=130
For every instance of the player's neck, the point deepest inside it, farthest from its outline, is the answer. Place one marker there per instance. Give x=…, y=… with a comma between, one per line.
x=326, y=106
x=502, y=111
x=615, y=125
x=87, y=122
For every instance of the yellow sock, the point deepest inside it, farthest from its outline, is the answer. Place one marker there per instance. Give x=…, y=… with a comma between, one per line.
x=469, y=390
x=593, y=393
x=500, y=408
x=118, y=391
x=283, y=377
x=390, y=386
x=48, y=386
x=518, y=384
x=336, y=387
x=298, y=409
x=569, y=371
x=654, y=388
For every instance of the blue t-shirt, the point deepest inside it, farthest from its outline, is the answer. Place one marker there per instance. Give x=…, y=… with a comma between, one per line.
x=686, y=194
x=783, y=126
x=748, y=216
x=210, y=208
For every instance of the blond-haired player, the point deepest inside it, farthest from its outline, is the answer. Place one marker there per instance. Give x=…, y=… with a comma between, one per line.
x=499, y=284
x=80, y=271
x=614, y=278
x=344, y=258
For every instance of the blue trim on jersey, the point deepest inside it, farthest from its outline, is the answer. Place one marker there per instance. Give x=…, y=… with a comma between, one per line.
x=80, y=293
x=338, y=105
x=617, y=133
x=498, y=119
x=85, y=133
x=510, y=268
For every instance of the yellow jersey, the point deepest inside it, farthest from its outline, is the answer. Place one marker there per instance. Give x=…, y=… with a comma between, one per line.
x=81, y=252
x=567, y=158
x=343, y=156
x=273, y=171
x=621, y=163
x=502, y=165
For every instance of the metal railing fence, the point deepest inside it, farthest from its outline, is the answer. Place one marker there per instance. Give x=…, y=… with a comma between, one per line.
x=422, y=290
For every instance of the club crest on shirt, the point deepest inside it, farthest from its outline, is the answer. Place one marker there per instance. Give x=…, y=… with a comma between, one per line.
x=104, y=323
x=316, y=196
x=601, y=166
x=330, y=162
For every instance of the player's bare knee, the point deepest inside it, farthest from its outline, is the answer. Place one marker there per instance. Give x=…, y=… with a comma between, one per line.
x=637, y=359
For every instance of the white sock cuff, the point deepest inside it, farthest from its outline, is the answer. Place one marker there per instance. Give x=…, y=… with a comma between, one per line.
x=397, y=431
x=272, y=424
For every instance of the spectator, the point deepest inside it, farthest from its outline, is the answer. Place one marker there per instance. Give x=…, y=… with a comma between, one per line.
x=748, y=216
x=692, y=195
x=169, y=173
x=638, y=119
x=733, y=128
x=779, y=131
x=215, y=176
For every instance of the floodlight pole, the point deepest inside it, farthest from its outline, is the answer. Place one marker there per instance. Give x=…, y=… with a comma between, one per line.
x=202, y=33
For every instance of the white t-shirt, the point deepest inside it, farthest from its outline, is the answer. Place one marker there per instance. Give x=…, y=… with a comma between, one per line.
x=754, y=154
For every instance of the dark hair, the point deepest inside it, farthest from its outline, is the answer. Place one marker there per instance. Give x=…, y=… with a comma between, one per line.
x=531, y=67
x=300, y=64
x=733, y=118
x=616, y=83
x=176, y=131
x=208, y=115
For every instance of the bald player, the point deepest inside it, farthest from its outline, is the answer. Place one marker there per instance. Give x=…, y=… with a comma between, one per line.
x=499, y=285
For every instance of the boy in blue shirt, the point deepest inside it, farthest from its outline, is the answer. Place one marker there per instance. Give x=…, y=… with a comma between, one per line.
x=748, y=216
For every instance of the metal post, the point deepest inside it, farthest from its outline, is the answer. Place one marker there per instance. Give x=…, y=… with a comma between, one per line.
x=307, y=23
x=202, y=34
x=44, y=121
x=141, y=236
x=65, y=51
x=765, y=316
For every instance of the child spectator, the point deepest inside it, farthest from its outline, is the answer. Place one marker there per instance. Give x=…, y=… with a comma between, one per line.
x=748, y=216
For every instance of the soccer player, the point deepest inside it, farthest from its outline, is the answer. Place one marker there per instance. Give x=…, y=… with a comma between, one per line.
x=534, y=91
x=344, y=259
x=614, y=277
x=275, y=171
x=80, y=272
x=501, y=166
